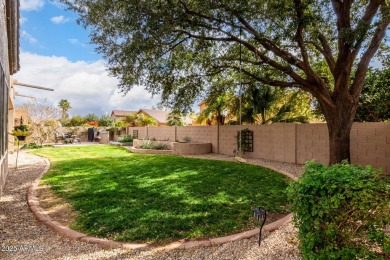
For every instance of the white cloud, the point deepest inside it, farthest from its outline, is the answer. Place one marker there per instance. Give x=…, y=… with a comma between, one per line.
x=74, y=41
x=59, y=19
x=28, y=37
x=31, y=5
x=58, y=4
x=86, y=86
x=22, y=20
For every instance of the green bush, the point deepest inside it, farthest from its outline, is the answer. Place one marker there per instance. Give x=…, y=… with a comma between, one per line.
x=146, y=144
x=125, y=139
x=105, y=120
x=187, y=139
x=160, y=146
x=77, y=121
x=31, y=146
x=341, y=211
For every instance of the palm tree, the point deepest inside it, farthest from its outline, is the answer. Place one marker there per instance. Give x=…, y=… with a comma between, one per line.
x=65, y=106
x=266, y=104
x=258, y=101
x=175, y=118
x=216, y=109
x=139, y=120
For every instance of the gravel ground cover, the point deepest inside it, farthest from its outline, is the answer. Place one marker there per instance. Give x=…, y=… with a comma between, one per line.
x=21, y=237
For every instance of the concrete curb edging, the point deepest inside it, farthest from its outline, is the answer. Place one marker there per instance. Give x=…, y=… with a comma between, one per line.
x=42, y=216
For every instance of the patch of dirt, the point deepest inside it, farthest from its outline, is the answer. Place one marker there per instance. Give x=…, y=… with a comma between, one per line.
x=57, y=208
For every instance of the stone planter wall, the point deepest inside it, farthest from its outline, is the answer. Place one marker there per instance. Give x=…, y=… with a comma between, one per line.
x=137, y=143
x=191, y=148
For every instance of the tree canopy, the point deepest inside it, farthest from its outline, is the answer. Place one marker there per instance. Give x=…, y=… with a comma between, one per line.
x=178, y=48
x=374, y=103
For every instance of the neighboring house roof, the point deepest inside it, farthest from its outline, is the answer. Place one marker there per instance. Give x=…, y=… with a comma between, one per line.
x=159, y=115
x=122, y=113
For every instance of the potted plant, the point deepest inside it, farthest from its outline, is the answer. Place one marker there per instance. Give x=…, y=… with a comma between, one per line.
x=21, y=132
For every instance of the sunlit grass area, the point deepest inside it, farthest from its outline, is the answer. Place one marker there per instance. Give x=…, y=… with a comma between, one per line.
x=160, y=198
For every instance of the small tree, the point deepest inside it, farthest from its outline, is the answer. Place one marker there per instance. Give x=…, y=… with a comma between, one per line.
x=40, y=114
x=139, y=120
x=91, y=118
x=77, y=121
x=105, y=121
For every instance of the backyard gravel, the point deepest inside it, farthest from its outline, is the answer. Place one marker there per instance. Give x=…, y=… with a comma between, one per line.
x=22, y=237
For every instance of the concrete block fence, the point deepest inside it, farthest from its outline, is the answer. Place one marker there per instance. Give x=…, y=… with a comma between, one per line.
x=285, y=142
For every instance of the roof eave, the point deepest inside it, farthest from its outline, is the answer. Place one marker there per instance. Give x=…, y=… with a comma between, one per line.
x=13, y=15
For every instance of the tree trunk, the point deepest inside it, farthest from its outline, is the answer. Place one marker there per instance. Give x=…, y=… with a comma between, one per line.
x=339, y=141
x=339, y=119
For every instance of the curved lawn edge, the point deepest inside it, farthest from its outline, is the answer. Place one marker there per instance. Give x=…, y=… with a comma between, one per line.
x=43, y=217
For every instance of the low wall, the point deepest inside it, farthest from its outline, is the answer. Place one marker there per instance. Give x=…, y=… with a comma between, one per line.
x=286, y=142
x=137, y=143
x=191, y=148
x=105, y=138
x=148, y=151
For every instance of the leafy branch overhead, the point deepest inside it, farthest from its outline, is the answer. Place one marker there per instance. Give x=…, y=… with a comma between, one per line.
x=177, y=48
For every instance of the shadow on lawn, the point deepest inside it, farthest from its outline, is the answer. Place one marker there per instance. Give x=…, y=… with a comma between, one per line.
x=163, y=198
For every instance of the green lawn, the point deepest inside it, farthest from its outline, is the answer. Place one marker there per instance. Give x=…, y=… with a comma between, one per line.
x=159, y=198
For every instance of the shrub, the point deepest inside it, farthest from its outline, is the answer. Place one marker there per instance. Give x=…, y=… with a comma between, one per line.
x=160, y=146
x=105, y=121
x=187, y=139
x=31, y=146
x=125, y=139
x=146, y=144
x=77, y=121
x=341, y=211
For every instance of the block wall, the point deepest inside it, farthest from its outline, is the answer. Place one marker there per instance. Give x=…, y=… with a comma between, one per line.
x=370, y=144
x=161, y=132
x=199, y=134
x=312, y=143
x=142, y=131
x=284, y=142
x=272, y=142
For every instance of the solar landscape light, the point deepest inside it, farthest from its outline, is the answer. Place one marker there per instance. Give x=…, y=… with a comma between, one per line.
x=260, y=215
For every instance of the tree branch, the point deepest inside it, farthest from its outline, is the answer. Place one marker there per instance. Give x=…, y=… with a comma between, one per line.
x=299, y=33
x=327, y=53
x=369, y=14
x=268, y=45
x=361, y=71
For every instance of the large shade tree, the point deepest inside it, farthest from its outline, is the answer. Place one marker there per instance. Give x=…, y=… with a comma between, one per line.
x=175, y=47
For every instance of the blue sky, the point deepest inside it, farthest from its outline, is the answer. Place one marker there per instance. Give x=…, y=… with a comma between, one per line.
x=48, y=29
x=55, y=53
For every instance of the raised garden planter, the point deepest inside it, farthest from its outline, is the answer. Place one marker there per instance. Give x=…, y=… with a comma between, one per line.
x=138, y=142
x=148, y=151
x=120, y=144
x=191, y=148
x=175, y=148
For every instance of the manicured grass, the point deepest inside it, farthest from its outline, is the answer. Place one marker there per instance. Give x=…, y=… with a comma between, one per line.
x=160, y=198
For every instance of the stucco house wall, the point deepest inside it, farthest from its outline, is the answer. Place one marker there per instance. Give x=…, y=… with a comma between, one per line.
x=9, y=64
